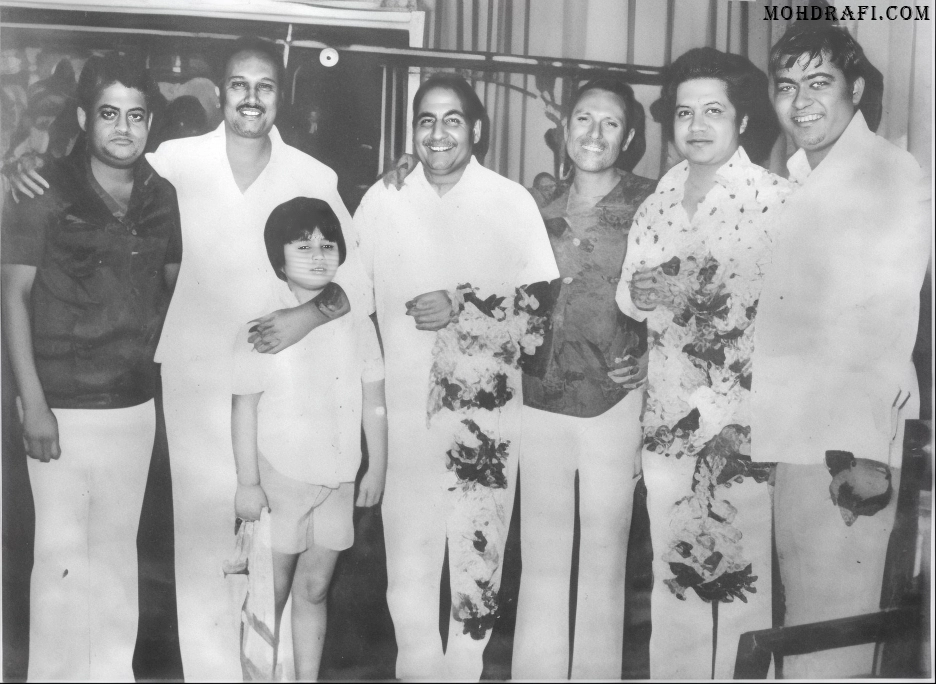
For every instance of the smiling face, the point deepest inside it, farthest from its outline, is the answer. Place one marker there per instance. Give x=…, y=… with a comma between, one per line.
x=597, y=131
x=815, y=103
x=443, y=137
x=117, y=126
x=251, y=94
x=705, y=127
x=310, y=262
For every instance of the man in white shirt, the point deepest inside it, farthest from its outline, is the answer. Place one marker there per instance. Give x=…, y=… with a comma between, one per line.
x=833, y=380
x=452, y=223
x=228, y=181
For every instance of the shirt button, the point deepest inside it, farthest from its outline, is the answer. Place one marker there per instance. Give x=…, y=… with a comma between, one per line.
x=576, y=242
x=567, y=280
x=133, y=232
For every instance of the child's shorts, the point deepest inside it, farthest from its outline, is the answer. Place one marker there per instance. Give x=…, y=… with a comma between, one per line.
x=302, y=514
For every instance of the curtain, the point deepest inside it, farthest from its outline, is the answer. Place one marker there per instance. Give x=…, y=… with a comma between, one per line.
x=653, y=33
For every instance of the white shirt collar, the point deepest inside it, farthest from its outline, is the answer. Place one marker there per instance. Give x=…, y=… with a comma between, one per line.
x=848, y=142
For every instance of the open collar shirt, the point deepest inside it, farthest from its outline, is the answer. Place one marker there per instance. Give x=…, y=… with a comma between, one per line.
x=587, y=332
x=309, y=415
x=485, y=231
x=839, y=309
x=226, y=276
x=99, y=296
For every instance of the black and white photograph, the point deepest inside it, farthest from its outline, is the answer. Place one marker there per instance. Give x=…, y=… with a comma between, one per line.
x=461, y=340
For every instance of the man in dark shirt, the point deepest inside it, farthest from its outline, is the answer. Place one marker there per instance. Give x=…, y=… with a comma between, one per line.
x=582, y=399
x=87, y=272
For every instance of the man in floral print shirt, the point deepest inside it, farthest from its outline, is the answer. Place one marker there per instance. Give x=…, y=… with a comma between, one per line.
x=582, y=405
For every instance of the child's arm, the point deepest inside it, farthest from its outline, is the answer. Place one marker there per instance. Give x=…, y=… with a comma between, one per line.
x=374, y=420
x=250, y=498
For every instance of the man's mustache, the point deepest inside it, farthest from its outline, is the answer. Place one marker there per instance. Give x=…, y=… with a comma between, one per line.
x=249, y=105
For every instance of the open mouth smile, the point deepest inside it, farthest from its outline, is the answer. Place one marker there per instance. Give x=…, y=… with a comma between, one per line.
x=250, y=112
x=807, y=118
x=443, y=147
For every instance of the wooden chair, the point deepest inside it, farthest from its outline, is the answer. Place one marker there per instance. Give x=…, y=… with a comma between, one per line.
x=901, y=627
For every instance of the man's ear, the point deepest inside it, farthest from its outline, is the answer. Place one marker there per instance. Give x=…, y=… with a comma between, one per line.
x=744, y=123
x=82, y=119
x=627, y=141
x=477, y=132
x=858, y=90
x=149, y=120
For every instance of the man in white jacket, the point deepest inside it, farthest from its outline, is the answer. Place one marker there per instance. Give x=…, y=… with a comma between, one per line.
x=833, y=380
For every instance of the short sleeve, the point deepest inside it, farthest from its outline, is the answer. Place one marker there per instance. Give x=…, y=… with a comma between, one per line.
x=366, y=221
x=174, y=248
x=540, y=263
x=249, y=366
x=22, y=240
x=369, y=350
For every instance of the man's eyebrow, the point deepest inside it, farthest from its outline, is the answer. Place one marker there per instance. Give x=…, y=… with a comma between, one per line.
x=784, y=79
x=448, y=113
x=271, y=79
x=820, y=74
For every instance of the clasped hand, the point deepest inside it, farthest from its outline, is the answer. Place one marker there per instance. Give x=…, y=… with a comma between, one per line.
x=431, y=310
x=632, y=371
x=650, y=287
x=249, y=502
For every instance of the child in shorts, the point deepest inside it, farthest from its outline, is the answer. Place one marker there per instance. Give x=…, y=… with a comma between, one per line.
x=296, y=425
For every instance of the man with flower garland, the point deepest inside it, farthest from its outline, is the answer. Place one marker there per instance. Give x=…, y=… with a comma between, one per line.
x=833, y=380
x=449, y=255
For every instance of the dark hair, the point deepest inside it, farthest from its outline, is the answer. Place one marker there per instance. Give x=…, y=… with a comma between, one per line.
x=823, y=41
x=297, y=219
x=100, y=73
x=745, y=85
x=258, y=45
x=472, y=107
x=633, y=111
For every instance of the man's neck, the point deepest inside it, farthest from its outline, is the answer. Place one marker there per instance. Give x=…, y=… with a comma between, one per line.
x=815, y=157
x=110, y=177
x=443, y=183
x=247, y=157
x=595, y=183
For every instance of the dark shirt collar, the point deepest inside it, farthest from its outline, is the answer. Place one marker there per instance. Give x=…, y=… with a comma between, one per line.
x=142, y=174
x=617, y=195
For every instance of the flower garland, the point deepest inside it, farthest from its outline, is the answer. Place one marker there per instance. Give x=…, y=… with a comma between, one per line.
x=475, y=375
x=703, y=358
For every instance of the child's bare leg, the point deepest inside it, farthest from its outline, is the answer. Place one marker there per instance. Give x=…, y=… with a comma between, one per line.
x=284, y=568
x=310, y=608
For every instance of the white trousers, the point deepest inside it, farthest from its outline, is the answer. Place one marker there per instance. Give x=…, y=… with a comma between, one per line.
x=829, y=570
x=204, y=480
x=415, y=507
x=681, y=641
x=83, y=592
x=604, y=450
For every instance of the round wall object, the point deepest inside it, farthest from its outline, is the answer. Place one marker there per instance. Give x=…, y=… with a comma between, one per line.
x=329, y=57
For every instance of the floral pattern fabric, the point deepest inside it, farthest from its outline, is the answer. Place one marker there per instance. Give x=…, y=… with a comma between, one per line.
x=474, y=395
x=700, y=348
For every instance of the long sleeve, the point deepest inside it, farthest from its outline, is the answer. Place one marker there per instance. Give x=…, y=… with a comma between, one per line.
x=632, y=260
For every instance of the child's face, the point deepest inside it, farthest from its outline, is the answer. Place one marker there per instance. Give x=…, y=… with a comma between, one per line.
x=311, y=262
